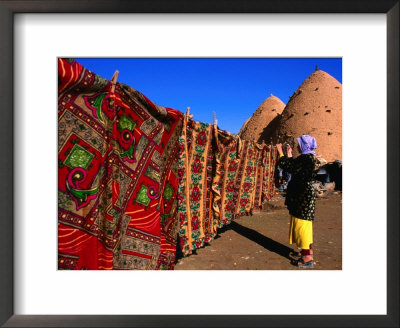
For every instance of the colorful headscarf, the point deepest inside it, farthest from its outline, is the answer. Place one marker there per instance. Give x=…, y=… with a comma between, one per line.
x=307, y=144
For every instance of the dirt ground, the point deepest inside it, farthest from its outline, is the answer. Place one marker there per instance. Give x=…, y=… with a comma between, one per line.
x=260, y=242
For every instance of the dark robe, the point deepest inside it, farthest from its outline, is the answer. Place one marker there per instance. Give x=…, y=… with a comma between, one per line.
x=300, y=194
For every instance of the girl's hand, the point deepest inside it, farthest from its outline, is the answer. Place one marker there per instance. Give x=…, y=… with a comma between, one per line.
x=279, y=149
x=289, y=150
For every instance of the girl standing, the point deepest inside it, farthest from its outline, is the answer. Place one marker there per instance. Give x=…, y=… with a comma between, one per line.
x=300, y=196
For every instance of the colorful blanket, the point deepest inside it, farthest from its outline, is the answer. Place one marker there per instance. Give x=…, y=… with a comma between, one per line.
x=259, y=176
x=269, y=189
x=197, y=165
x=224, y=184
x=219, y=169
x=245, y=178
x=117, y=175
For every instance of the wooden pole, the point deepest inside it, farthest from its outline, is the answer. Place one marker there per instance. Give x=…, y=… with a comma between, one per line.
x=114, y=81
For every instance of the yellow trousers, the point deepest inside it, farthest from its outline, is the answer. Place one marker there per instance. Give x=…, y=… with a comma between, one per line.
x=300, y=232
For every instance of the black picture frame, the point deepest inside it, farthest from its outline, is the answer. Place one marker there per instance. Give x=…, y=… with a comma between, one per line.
x=7, y=10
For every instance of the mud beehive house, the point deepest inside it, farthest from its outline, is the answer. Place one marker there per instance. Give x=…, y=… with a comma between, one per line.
x=314, y=109
x=253, y=128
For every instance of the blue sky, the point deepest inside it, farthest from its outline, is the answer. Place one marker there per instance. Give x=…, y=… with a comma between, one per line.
x=232, y=87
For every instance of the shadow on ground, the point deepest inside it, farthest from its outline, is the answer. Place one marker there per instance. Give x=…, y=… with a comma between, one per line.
x=267, y=243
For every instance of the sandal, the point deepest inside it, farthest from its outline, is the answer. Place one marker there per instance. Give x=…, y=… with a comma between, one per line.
x=301, y=264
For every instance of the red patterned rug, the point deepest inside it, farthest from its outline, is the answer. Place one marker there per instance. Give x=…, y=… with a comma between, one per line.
x=117, y=175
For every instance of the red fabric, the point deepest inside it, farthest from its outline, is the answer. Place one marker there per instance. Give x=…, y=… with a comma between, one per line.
x=117, y=178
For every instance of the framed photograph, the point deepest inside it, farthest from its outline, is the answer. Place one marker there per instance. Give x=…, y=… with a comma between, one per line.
x=363, y=292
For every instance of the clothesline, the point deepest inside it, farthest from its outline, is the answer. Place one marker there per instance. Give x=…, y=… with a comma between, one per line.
x=188, y=114
x=133, y=176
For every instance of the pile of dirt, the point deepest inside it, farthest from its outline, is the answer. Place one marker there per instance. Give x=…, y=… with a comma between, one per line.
x=314, y=109
x=271, y=108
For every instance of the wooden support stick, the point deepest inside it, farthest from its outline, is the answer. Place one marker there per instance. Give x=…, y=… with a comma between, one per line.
x=114, y=81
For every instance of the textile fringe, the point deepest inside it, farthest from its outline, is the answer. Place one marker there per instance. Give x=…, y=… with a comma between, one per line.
x=215, y=185
x=189, y=218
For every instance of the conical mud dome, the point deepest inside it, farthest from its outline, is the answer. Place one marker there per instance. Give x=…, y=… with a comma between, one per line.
x=314, y=109
x=265, y=113
x=244, y=126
